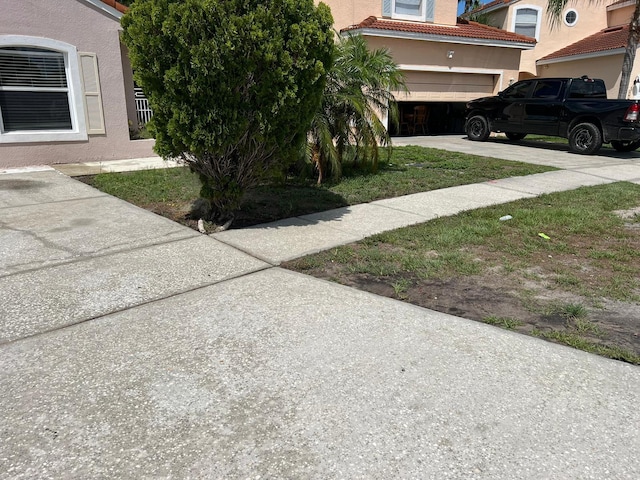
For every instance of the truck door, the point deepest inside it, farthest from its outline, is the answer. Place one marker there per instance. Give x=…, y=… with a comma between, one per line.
x=542, y=111
x=510, y=113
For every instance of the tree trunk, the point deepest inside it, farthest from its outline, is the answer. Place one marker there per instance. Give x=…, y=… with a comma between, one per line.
x=630, y=53
x=316, y=158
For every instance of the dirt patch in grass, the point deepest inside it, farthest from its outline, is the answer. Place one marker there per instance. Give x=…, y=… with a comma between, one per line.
x=509, y=302
x=607, y=327
x=580, y=298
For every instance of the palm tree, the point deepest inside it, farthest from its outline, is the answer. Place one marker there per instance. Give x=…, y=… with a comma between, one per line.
x=470, y=5
x=357, y=94
x=555, y=8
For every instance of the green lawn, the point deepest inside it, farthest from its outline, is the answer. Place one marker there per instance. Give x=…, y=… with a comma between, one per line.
x=409, y=170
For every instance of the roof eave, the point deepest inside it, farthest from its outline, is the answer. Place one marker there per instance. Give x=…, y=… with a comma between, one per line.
x=493, y=8
x=618, y=5
x=374, y=32
x=581, y=56
x=100, y=5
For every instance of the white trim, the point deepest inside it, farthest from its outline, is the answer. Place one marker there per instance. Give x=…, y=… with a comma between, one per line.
x=564, y=17
x=78, y=130
x=616, y=6
x=584, y=56
x=422, y=17
x=538, y=19
x=374, y=32
x=438, y=69
x=106, y=8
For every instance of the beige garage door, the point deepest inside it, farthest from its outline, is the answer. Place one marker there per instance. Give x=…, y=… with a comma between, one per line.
x=447, y=87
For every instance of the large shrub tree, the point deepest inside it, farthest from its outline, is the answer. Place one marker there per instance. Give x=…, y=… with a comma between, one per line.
x=233, y=85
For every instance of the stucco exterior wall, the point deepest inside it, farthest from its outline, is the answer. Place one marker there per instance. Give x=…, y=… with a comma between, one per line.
x=444, y=13
x=591, y=19
x=352, y=12
x=471, y=68
x=608, y=69
x=130, y=97
x=77, y=23
x=620, y=15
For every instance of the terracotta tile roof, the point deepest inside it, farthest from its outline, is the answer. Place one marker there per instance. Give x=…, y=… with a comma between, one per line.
x=463, y=29
x=608, y=39
x=493, y=5
x=118, y=6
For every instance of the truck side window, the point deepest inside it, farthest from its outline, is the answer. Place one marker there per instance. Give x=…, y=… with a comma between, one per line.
x=587, y=89
x=517, y=90
x=547, y=89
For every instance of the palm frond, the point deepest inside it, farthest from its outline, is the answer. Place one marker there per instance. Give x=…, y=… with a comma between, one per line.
x=359, y=91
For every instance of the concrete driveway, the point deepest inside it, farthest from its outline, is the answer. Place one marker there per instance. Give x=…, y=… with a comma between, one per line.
x=552, y=155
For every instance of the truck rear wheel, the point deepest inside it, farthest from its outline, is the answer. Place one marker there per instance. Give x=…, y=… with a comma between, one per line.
x=515, y=136
x=478, y=128
x=585, y=139
x=625, y=146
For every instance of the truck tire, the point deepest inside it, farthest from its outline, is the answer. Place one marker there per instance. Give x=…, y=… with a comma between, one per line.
x=515, y=136
x=625, y=146
x=478, y=128
x=585, y=139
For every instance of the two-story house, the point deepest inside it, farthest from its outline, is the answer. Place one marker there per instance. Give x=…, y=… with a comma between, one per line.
x=446, y=61
x=589, y=38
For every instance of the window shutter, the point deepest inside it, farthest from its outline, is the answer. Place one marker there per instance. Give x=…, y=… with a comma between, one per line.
x=92, y=96
x=386, y=8
x=431, y=4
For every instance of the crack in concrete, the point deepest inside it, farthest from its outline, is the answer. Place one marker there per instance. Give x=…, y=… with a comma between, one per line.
x=39, y=239
x=85, y=256
x=137, y=305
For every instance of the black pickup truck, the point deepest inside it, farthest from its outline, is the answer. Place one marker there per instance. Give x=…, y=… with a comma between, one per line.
x=573, y=108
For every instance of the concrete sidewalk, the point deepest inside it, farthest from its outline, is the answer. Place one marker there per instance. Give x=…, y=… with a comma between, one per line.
x=284, y=240
x=133, y=347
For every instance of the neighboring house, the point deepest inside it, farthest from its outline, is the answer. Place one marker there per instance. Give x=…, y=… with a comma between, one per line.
x=447, y=61
x=589, y=38
x=66, y=86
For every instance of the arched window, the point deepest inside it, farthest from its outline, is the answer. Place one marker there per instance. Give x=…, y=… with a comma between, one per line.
x=40, y=91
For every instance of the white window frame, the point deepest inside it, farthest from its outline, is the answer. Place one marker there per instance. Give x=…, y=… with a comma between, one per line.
x=564, y=17
x=78, y=131
x=422, y=16
x=538, y=19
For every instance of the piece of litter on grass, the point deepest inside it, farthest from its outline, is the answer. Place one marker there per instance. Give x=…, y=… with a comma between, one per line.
x=544, y=236
x=506, y=217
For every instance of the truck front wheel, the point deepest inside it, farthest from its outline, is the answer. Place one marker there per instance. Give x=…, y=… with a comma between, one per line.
x=585, y=139
x=478, y=128
x=625, y=146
